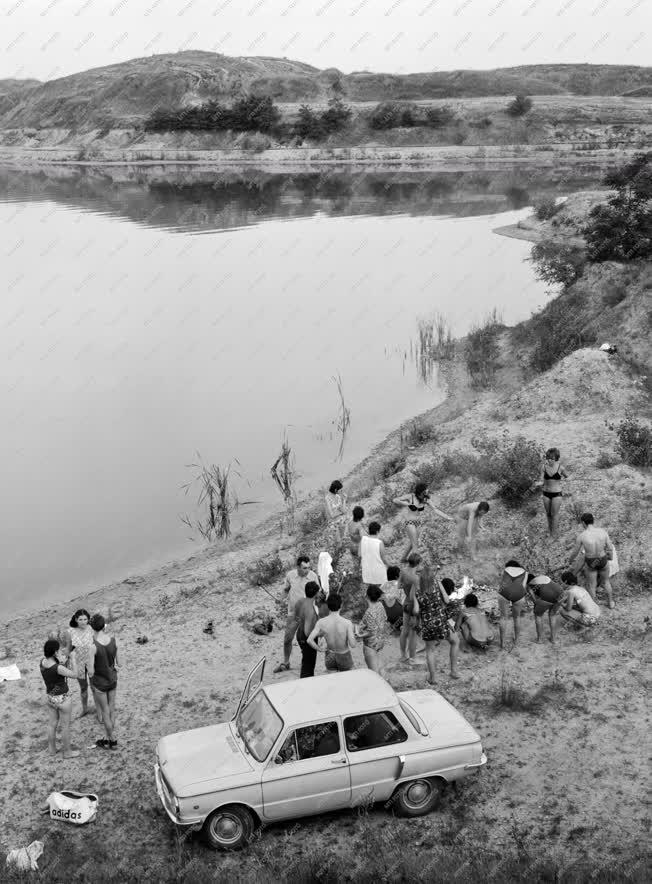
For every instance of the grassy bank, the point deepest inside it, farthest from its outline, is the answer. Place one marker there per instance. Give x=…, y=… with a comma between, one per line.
x=563, y=796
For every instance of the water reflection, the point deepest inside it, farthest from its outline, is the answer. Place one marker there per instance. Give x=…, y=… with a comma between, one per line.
x=202, y=200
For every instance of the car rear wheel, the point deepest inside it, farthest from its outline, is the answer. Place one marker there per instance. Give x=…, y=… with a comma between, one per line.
x=229, y=828
x=417, y=797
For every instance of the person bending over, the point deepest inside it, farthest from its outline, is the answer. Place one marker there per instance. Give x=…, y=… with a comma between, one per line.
x=469, y=517
x=547, y=597
x=511, y=598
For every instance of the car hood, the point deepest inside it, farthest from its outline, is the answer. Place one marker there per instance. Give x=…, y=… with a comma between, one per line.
x=445, y=725
x=190, y=759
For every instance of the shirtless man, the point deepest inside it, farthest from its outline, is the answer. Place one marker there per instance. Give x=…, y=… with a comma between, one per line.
x=598, y=552
x=408, y=584
x=469, y=516
x=577, y=605
x=339, y=635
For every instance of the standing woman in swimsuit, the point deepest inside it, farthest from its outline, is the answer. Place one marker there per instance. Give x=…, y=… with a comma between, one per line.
x=414, y=505
x=553, y=473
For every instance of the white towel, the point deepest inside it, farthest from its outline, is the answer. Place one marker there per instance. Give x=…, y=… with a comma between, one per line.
x=25, y=858
x=9, y=673
x=324, y=568
x=614, y=567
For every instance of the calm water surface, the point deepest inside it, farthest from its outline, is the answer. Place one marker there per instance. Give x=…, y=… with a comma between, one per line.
x=145, y=321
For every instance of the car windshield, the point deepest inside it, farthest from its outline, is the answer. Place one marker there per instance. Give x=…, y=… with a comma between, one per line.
x=259, y=725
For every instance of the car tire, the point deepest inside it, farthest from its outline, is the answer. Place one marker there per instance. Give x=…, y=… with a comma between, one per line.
x=229, y=828
x=417, y=797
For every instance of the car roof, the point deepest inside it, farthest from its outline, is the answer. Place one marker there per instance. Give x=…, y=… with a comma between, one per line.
x=328, y=696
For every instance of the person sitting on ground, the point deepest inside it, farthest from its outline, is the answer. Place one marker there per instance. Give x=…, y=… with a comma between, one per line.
x=473, y=624
x=392, y=597
x=469, y=517
x=578, y=606
x=59, y=700
x=372, y=629
x=511, y=598
x=408, y=583
x=356, y=531
x=306, y=615
x=373, y=558
x=294, y=586
x=103, y=671
x=414, y=506
x=338, y=634
x=430, y=607
x=553, y=473
x=598, y=552
x=547, y=598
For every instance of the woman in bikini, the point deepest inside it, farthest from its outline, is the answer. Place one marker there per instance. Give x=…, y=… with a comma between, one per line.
x=356, y=531
x=414, y=505
x=553, y=473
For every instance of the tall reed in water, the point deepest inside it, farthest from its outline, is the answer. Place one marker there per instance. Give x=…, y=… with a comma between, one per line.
x=216, y=496
x=284, y=475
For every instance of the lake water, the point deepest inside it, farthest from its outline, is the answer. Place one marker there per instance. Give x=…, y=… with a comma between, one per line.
x=148, y=319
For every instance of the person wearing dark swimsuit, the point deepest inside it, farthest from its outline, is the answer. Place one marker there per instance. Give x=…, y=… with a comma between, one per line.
x=414, y=506
x=553, y=473
x=103, y=671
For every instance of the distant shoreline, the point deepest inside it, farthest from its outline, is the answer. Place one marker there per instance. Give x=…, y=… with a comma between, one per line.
x=429, y=158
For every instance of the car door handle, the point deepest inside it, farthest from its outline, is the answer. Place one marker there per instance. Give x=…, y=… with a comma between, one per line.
x=338, y=760
x=401, y=765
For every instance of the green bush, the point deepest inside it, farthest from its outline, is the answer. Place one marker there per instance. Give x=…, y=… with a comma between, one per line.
x=634, y=442
x=621, y=229
x=514, y=464
x=606, y=459
x=482, y=351
x=557, y=263
x=267, y=570
x=520, y=106
x=391, y=465
x=417, y=432
x=386, y=115
x=436, y=117
x=546, y=209
x=316, y=126
x=249, y=114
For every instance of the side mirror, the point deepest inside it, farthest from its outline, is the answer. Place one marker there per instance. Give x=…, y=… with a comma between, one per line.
x=278, y=760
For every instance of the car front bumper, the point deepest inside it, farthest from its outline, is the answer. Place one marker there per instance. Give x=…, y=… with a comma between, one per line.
x=169, y=804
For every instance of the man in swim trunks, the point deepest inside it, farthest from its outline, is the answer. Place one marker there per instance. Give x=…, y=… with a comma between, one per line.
x=306, y=614
x=339, y=635
x=578, y=606
x=294, y=588
x=547, y=597
x=598, y=552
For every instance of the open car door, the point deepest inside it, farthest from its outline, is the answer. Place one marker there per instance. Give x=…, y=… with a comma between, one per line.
x=254, y=681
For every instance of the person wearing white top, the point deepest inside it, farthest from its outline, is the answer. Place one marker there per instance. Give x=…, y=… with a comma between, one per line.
x=372, y=557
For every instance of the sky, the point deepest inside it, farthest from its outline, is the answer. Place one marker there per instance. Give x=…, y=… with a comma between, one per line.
x=46, y=39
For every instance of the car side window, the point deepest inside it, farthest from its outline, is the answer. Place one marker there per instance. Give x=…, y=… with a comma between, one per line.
x=372, y=730
x=310, y=742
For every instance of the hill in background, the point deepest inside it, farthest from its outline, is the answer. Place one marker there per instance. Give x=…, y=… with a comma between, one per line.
x=125, y=93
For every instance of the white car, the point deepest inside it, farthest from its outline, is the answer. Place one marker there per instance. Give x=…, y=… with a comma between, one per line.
x=311, y=745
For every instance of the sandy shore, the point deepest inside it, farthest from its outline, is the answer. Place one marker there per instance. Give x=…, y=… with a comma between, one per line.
x=429, y=158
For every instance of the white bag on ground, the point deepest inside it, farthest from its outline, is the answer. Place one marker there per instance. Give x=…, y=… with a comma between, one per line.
x=24, y=858
x=72, y=807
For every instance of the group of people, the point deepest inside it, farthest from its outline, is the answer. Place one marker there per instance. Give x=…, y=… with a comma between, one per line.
x=87, y=653
x=409, y=599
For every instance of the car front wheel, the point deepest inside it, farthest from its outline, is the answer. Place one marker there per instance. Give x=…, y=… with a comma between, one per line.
x=229, y=828
x=417, y=797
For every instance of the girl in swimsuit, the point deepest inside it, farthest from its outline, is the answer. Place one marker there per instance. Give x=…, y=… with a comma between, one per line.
x=414, y=506
x=355, y=529
x=553, y=473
